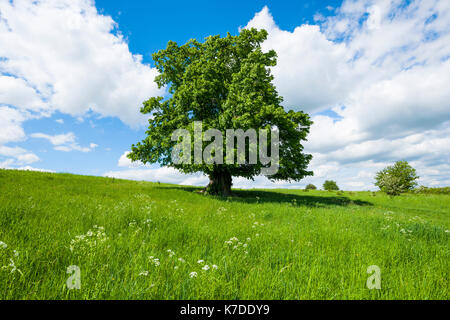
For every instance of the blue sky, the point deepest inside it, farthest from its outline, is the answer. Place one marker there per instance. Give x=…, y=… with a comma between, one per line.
x=373, y=74
x=148, y=25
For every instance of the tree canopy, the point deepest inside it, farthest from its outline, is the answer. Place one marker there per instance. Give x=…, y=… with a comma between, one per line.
x=330, y=185
x=310, y=186
x=226, y=83
x=394, y=180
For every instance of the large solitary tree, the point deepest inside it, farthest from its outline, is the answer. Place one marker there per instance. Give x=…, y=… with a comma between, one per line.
x=225, y=83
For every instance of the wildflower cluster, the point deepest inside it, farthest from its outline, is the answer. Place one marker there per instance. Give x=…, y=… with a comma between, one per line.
x=393, y=225
x=171, y=255
x=85, y=242
x=204, y=268
x=257, y=225
x=154, y=261
x=221, y=210
x=8, y=256
x=235, y=244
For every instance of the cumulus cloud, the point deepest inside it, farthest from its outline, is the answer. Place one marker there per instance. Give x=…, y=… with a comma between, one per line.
x=62, y=55
x=164, y=174
x=126, y=162
x=383, y=70
x=64, y=142
x=11, y=125
x=10, y=156
x=26, y=168
x=311, y=72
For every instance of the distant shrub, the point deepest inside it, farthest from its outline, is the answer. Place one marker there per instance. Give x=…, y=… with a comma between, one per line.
x=426, y=190
x=396, y=179
x=310, y=187
x=330, y=185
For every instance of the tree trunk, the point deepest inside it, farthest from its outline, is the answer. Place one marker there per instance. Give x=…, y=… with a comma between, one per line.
x=219, y=184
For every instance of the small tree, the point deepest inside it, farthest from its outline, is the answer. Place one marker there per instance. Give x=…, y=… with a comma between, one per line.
x=393, y=180
x=310, y=187
x=330, y=185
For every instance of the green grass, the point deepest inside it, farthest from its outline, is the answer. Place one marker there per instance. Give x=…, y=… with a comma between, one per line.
x=303, y=245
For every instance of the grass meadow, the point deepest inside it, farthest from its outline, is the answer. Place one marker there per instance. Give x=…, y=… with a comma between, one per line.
x=142, y=240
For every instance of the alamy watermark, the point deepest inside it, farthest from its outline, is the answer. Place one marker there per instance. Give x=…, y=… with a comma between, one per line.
x=74, y=281
x=214, y=153
x=374, y=281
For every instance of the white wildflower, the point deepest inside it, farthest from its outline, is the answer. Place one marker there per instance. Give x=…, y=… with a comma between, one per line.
x=200, y=261
x=206, y=267
x=132, y=223
x=171, y=253
x=13, y=267
x=193, y=274
x=3, y=245
x=154, y=260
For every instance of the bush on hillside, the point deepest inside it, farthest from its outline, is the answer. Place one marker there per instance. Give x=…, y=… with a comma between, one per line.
x=310, y=187
x=396, y=179
x=330, y=185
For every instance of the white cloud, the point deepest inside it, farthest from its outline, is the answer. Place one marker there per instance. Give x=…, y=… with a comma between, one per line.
x=163, y=174
x=383, y=67
x=310, y=73
x=64, y=142
x=16, y=156
x=126, y=162
x=11, y=125
x=26, y=168
x=63, y=55
x=16, y=92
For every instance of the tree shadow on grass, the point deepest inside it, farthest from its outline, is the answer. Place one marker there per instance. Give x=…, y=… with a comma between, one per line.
x=261, y=196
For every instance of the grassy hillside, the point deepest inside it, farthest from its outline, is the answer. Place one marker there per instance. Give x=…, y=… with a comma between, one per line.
x=141, y=240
